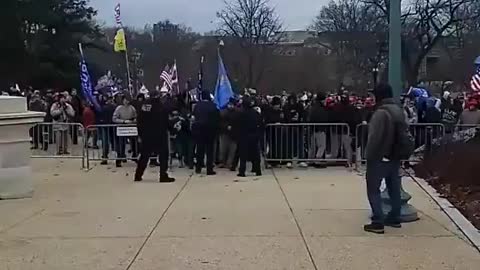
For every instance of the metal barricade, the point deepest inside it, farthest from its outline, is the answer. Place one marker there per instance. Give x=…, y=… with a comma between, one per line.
x=305, y=142
x=111, y=142
x=361, y=137
x=428, y=137
x=463, y=133
x=58, y=140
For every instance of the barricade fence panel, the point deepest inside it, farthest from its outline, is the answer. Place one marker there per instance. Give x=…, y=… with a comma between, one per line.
x=285, y=142
x=112, y=142
x=429, y=137
x=58, y=140
x=305, y=142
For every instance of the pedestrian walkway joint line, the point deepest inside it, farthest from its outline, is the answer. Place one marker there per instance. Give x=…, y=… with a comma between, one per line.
x=22, y=221
x=296, y=221
x=158, y=222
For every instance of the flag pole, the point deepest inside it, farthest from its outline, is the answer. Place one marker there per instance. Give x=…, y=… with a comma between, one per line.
x=80, y=49
x=128, y=74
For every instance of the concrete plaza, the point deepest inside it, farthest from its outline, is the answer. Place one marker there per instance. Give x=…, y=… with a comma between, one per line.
x=286, y=219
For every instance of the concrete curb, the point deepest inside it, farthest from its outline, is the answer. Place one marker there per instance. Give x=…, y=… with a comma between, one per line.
x=463, y=224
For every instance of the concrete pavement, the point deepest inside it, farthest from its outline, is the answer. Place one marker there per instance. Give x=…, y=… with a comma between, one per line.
x=286, y=219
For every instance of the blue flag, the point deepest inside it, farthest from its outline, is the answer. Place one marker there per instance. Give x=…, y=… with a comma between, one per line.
x=223, y=90
x=87, y=88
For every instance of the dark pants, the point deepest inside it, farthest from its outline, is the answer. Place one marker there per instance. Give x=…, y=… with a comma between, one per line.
x=74, y=133
x=121, y=143
x=133, y=146
x=147, y=148
x=107, y=138
x=249, y=150
x=37, y=135
x=376, y=172
x=205, y=147
x=183, y=144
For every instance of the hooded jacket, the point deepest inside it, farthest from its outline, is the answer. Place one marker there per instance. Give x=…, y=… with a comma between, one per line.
x=381, y=129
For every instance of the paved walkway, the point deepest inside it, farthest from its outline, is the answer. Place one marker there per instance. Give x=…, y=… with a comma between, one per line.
x=289, y=219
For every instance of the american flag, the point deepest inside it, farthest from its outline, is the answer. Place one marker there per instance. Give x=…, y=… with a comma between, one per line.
x=475, y=82
x=118, y=18
x=174, y=73
x=167, y=77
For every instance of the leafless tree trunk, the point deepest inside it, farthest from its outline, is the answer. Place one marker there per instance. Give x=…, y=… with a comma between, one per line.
x=256, y=26
x=425, y=22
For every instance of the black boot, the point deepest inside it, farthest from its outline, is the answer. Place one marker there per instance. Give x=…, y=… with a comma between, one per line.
x=211, y=172
x=373, y=227
x=166, y=179
x=393, y=222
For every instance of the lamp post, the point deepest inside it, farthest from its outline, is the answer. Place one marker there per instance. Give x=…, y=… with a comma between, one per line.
x=395, y=48
x=407, y=213
x=375, y=76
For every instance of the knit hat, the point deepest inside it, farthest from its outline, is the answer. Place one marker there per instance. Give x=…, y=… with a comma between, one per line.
x=382, y=91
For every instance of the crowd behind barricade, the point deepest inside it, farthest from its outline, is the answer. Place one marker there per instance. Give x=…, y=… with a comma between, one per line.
x=308, y=128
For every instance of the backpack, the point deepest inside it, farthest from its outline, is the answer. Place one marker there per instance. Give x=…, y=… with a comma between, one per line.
x=403, y=145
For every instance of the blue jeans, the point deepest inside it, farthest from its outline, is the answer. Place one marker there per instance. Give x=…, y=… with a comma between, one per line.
x=376, y=172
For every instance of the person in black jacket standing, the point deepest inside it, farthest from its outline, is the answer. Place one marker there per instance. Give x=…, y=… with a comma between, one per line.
x=250, y=128
x=386, y=125
x=206, y=118
x=345, y=113
x=153, y=124
x=318, y=140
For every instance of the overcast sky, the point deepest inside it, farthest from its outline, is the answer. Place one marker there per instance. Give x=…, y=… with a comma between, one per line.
x=198, y=14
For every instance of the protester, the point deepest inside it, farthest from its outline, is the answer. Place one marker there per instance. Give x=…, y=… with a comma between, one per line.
x=182, y=138
x=294, y=113
x=62, y=114
x=318, y=140
x=77, y=106
x=471, y=115
x=36, y=104
x=88, y=119
x=104, y=119
x=344, y=112
x=383, y=161
x=124, y=114
x=229, y=135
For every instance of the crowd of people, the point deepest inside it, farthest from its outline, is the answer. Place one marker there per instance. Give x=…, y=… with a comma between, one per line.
x=237, y=133
x=305, y=126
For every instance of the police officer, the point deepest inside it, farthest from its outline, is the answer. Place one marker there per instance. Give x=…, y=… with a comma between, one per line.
x=250, y=130
x=206, y=119
x=153, y=123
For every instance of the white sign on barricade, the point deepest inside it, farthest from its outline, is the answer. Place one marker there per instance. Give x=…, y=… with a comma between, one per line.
x=127, y=131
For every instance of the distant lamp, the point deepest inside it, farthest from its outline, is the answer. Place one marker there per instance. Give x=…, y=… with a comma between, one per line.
x=221, y=43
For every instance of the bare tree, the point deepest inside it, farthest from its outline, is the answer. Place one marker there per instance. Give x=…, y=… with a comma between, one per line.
x=255, y=24
x=348, y=16
x=356, y=33
x=425, y=23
